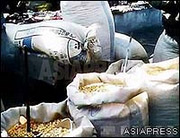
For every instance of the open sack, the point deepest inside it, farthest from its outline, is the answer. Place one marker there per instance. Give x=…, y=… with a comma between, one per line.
x=114, y=88
x=111, y=119
x=161, y=82
x=111, y=102
x=80, y=126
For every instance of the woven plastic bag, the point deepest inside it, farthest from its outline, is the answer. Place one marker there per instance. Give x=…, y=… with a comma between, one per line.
x=111, y=119
x=45, y=112
x=122, y=88
x=161, y=82
x=64, y=41
x=87, y=13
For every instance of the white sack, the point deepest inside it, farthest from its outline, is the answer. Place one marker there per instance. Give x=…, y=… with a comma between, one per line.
x=64, y=41
x=166, y=47
x=164, y=72
x=129, y=88
x=117, y=67
x=136, y=50
x=163, y=90
x=162, y=87
x=163, y=103
x=45, y=112
x=87, y=13
x=117, y=116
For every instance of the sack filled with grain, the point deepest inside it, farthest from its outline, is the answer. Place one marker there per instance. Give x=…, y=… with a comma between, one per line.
x=165, y=71
x=111, y=119
x=161, y=82
x=47, y=120
x=99, y=88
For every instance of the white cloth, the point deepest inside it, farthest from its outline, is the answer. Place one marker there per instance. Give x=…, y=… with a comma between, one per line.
x=87, y=13
x=166, y=48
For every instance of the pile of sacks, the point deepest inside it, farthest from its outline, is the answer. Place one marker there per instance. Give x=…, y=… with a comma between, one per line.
x=121, y=105
x=86, y=33
x=113, y=45
x=79, y=37
x=148, y=95
x=63, y=41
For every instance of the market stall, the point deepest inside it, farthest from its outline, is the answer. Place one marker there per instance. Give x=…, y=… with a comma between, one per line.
x=107, y=84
